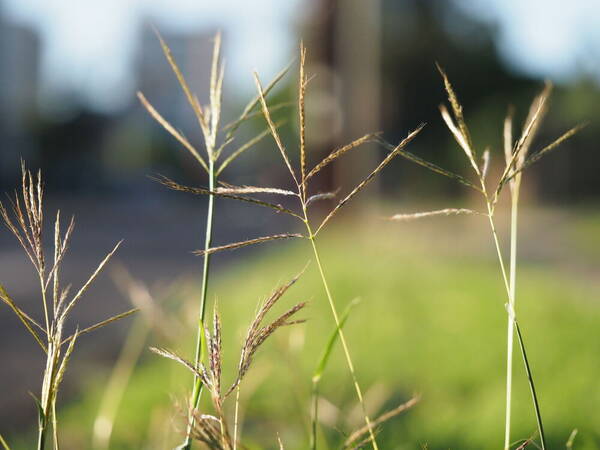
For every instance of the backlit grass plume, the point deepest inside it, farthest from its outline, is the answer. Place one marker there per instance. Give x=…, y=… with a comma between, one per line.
x=214, y=430
x=215, y=158
x=305, y=198
x=26, y=223
x=517, y=158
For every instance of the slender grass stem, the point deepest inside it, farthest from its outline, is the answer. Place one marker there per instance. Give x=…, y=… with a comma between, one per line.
x=54, y=425
x=47, y=393
x=41, y=437
x=46, y=384
x=511, y=318
x=236, y=416
x=197, y=387
x=512, y=300
x=4, y=443
x=45, y=303
x=342, y=335
x=498, y=251
x=538, y=415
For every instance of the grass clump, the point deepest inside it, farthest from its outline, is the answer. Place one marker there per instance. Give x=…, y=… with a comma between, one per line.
x=443, y=337
x=305, y=199
x=215, y=425
x=517, y=158
x=27, y=225
x=217, y=138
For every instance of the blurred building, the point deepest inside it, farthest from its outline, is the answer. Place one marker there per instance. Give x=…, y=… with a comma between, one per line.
x=19, y=81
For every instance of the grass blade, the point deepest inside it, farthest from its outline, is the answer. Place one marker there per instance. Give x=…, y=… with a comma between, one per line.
x=23, y=317
x=237, y=245
x=167, y=126
x=518, y=154
x=428, y=165
x=255, y=140
x=322, y=196
x=324, y=359
x=524, y=444
x=538, y=155
x=231, y=189
x=63, y=364
x=101, y=324
x=439, y=212
x=367, y=180
x=216, y=84
x=188, y=93
x=87, y=284
x=246, y=113
x=381, y=419
x=4, y=443
x=569, y=444
x=320, y=369
x=200, y=372
x=202, y=191
x=273, y=129
x=457, y=133
x=274, y=107
x=538, y=414
x=339, y=152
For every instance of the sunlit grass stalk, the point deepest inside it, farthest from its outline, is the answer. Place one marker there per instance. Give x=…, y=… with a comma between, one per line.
x=517, y=160
x=236, y=417
x=27, y=225
x=4, y=443
x=301, y=183
x=212, y=429
x=514, y=214
x=538, y=414
x=209, y=121
x=342, y=336
x=509, y=282
x=320, y=369
x=197, y=384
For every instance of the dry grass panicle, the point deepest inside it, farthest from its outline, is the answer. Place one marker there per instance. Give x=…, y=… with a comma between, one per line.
x=304, y=196
x=213, y=429
x=26, y=223
x=517, y=157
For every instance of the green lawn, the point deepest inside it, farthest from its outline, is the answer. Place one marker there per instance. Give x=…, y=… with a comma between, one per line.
x=431, y=321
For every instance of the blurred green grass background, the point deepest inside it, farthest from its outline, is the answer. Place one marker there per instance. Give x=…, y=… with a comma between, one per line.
x=431, y=321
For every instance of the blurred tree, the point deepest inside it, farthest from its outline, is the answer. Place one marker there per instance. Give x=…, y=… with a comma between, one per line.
x=401, y=42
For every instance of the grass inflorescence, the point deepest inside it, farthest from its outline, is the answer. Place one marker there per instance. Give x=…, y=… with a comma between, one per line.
x=305, y=199
x=517, y=158
x=57, y=303
x=216, y=426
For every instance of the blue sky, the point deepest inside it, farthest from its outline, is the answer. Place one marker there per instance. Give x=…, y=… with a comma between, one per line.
x=88, y=45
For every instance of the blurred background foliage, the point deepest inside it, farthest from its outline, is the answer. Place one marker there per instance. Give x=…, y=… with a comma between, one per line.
x=431, y=317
